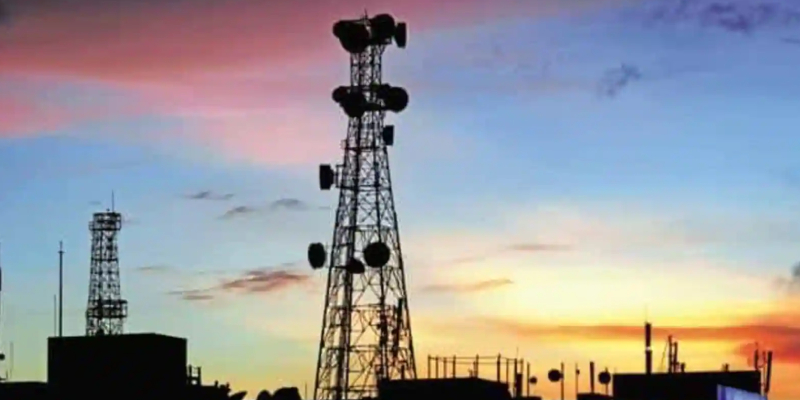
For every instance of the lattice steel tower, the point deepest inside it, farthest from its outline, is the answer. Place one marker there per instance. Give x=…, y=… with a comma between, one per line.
x=106, y=310
x=366, y=328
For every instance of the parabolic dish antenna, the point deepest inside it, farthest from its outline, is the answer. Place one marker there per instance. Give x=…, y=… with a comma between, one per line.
x=554, y=375
x=377, y=254
x=316, y=255
x=355, y=267
x=604, y=378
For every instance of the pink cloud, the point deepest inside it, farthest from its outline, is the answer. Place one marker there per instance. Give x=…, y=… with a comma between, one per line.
x=217, y=63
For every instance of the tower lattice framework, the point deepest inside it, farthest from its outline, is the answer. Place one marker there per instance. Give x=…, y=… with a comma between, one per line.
x=366, y=326
x=105, y=310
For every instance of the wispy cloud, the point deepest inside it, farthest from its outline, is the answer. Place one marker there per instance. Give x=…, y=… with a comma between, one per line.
x=239, y=211
x=742, y=17
x=473, y=287
x=790, y=284
x=791, y=40
x=513, y=248
x=616, y=79
x=209, y=195
x=153, y=269
x=287, y=204
x=257, y=281
x=264, y=281
x=194, y=294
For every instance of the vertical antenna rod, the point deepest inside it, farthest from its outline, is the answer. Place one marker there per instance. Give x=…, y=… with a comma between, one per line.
x=2, y=331
x=60, y=289
x=366, y=329
x=105, y=310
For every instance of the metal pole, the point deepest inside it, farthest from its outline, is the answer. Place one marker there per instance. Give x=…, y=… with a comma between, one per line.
x=60, y=289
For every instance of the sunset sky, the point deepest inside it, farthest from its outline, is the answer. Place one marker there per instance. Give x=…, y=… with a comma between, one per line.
x=565, y=169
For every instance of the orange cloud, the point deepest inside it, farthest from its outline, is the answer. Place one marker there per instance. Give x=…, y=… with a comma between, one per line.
x=768, y=331
x=245, y=73
x=479, y=286
x=257, y=281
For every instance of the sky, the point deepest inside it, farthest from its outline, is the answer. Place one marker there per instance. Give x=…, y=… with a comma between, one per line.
x=565, y=170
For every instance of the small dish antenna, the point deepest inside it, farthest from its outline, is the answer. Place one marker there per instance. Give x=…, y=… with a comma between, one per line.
x=604, y=377
x=395, y=98
x=533, y=381
x=377, y=254
x=554, y=375
x=355, y=267
x=326, y=177
x=387, y=134
x=316, y=255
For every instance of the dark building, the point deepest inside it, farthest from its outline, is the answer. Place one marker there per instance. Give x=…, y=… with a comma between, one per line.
x=445, y=388
x=593, y=396
x=682, y=385
x=146, y=365
x=24, y=390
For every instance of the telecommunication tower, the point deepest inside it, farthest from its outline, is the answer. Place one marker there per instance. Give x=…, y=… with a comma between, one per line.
x=366, y=328
x=106, y=310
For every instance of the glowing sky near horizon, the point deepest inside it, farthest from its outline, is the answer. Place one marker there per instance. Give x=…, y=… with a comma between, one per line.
x=548, y=203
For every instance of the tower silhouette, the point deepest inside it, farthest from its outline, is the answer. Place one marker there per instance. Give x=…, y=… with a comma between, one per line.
x=106, y=310
x=366, y=327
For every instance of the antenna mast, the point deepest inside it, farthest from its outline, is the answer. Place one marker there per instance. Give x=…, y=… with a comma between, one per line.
x=2, y=326
x=60, y=289
x=106, y=310
x=366, y=327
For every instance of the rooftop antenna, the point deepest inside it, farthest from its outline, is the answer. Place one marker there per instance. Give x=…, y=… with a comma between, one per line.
x=112, y=201
x=648, y=351
x=768, y=380
x=2, y=355
x=61, y=288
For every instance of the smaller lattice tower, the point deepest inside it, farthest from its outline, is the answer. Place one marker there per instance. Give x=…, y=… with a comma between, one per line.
x=106, y=310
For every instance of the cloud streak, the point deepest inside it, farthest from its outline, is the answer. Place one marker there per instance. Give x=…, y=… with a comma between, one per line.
x=770, y=331
x=510, y=249
x=238, y=211
x=741, y=17
x=286, y=204
x=153, y=269
x=209, y=195
x=257, y=281
x=616, y=79
x=480, y=286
